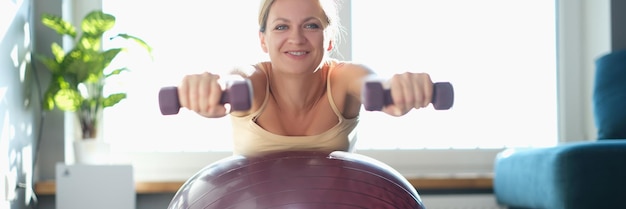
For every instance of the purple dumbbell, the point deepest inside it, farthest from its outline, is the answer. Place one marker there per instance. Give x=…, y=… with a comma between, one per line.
x=238, y=95
x=375, y=97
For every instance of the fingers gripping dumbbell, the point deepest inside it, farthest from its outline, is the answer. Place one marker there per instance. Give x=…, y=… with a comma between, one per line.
x=375, y=97
x=238, y=94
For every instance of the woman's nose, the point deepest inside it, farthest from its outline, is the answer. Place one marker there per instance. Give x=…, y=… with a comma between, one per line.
x=297, y=36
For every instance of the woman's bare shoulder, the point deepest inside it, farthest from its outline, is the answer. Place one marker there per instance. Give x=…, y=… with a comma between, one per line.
x=350, y=67
x=257, y=76
x=348, y=71
x=252, y=70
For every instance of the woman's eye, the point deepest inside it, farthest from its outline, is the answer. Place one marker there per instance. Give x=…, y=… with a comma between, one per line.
x=312, y=26
x=280, y=27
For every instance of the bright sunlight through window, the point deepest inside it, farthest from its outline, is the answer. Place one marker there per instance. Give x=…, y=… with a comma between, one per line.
x=499, y=55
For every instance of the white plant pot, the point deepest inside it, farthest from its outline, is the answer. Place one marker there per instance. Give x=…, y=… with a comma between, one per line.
x=91, y=151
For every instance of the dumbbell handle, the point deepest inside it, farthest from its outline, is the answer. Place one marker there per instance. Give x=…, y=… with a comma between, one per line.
x=375, y=97
x=238, y=95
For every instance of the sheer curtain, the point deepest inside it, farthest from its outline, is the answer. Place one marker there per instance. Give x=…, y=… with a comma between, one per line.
x=499, y=55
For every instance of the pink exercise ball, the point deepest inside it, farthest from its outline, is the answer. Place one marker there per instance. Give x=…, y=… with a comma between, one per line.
x=297, y=180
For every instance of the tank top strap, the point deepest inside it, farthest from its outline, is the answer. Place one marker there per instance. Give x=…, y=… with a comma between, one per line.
x=331, y=66
x=265, y=68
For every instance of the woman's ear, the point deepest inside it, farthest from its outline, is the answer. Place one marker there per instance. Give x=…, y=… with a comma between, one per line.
x=330, y=46
x=262, y=39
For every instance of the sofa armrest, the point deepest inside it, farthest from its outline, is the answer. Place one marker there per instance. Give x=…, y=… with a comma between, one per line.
x=570, y=176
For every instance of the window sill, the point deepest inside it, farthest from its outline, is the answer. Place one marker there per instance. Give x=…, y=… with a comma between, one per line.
x=421, y=183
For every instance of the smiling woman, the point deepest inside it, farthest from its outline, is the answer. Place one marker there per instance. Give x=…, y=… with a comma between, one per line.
x=488, y=49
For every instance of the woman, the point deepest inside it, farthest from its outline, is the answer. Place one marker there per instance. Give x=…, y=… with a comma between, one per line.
x=303, y=100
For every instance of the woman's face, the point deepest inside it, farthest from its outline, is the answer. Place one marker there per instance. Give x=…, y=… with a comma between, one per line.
x=294, y=36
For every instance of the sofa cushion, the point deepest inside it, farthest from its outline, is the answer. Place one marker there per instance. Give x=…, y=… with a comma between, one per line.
x=609, y=95
x=580, y=175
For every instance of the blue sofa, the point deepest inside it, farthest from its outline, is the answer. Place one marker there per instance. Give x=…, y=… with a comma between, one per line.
x=576, y=175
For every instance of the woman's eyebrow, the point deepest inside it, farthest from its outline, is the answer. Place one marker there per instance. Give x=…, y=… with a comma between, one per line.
x=282, y=19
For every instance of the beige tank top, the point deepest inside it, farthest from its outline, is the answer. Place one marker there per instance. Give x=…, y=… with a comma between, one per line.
x=251, y=139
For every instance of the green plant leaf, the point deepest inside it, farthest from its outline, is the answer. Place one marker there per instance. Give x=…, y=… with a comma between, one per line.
x=113, y=99
x=93, y=78
x=78, y=75
x=61, y=81
x=50, y=63
x=116, y=72
x=68, y=99
x=89, y=42
x=59, y=25
x=139, y=41
x=108, y=56
x=58, y=52
x=83, y=65
x=94, y=67
x=57, y=83
x=96, y=23
x=48, y=101
x=73, y=66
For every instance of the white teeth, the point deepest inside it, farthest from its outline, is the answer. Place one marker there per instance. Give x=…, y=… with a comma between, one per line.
x=297, y=53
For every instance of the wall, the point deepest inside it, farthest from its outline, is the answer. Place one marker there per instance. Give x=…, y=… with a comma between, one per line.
x=582, y=34
x=21, y=121
x=52, y=136
x=19, y=115
x=618, y=31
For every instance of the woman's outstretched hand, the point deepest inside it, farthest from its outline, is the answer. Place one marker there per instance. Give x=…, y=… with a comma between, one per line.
x=201, y=93
x=409, y=91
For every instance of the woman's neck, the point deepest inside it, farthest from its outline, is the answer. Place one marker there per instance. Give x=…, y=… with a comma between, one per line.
x=299, y=92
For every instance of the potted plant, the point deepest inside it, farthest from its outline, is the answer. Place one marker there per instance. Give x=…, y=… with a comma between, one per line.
x=78, y=76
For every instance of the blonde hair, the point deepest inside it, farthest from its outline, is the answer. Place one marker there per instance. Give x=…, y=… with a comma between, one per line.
x=332, y=28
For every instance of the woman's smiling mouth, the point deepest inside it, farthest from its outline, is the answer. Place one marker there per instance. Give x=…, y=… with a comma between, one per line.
x=297, y=53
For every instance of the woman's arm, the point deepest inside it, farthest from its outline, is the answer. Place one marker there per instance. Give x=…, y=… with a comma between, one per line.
x=258, y=82
x=202, y=92
x=408, y=90
x=347, y=82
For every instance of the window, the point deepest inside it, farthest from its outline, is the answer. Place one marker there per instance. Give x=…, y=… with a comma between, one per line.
x=190, y=37
x=499, y=55
x=500, y=59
